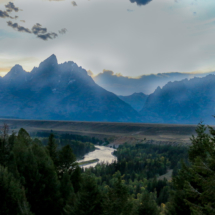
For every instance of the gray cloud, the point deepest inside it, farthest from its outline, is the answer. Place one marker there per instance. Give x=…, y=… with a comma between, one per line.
x=18, y=27
x=4, y=14
x=37, y=29
x=141, y=2
x=42, y=32
x=74, y=3
x=10, y=7
x=62, y=31
x=47, y=36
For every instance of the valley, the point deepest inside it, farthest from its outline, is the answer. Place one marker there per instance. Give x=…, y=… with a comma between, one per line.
x=116, y=133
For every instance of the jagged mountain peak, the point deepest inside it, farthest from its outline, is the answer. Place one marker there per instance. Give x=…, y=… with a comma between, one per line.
x=158, y=89
x=50, y=61
x=17, y=70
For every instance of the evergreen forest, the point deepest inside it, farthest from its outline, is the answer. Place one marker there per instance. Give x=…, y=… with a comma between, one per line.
x=42, y=176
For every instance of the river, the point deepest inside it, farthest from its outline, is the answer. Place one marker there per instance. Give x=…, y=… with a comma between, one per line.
x=103, y=153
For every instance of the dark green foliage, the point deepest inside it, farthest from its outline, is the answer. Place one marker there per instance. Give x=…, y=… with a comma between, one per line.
x=52, y=149
x=37, y=179
x=118, y=200
x=79, y=148
x=163, y=195
x=76, y=178
x=38, y=175
x=67, y=192
x=148, y=204
x=24, y=136
x=66, y=159
x=84, y=139
x=200, y=144
x=75, y=137
x=90, y=199
x=80, y=145
x=6, y=144
x=140, y=164
x=194, y=186
x=31, y=181
x=12, y=195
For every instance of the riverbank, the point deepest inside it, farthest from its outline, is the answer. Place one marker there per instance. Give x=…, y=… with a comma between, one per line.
x=100, y=154
x=84, y=163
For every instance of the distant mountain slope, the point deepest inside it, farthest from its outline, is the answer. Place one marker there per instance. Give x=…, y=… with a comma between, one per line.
x=136, y=100
x=60, y=92
x=186, y=101
x=121, y=85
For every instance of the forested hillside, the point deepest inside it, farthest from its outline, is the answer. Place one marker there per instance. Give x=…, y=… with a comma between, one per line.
x=36, y=178
x=80, y=145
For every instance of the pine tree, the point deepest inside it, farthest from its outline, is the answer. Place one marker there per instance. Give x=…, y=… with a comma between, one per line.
x=38, y=175
x=90, y=199
x=148, y=205
x=6, y=145
x=12, y=195
x=66, y=160
x=118, y=200
x=52, y=149
x=194, y=186
x=76, y=179
x=67, y=194
x=201, y=190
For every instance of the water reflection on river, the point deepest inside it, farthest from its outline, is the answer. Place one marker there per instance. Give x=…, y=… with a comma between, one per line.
x=103, y=153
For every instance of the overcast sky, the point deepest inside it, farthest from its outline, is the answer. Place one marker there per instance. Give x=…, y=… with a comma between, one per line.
x=130, y=37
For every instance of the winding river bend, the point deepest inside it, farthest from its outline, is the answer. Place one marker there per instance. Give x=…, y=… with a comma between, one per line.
x=103, y=153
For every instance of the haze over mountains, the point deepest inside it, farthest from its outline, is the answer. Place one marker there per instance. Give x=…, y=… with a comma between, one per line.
x=66, y=92
x=136, y=100
x=185, y=102
x=122, y=85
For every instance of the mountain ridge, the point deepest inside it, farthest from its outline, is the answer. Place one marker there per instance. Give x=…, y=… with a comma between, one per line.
x=61, y=92
x=185, y=101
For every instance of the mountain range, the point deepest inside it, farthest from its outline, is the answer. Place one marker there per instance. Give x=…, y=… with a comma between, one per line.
x=65, y=91
x=59, y=92
x=183, y=102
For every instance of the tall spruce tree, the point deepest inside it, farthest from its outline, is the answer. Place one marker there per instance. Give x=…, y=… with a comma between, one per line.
x=12, y=195
x=194, y=186
x=66, y=159
x=52, y=149
x=6, y=144
x=118, y=200
x=38, y=175
x=148, y=205
x=90, y=199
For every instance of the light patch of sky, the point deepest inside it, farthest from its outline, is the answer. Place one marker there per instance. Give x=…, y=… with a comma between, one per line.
x=5, y=1
x=162, y=36
x=5, y=34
